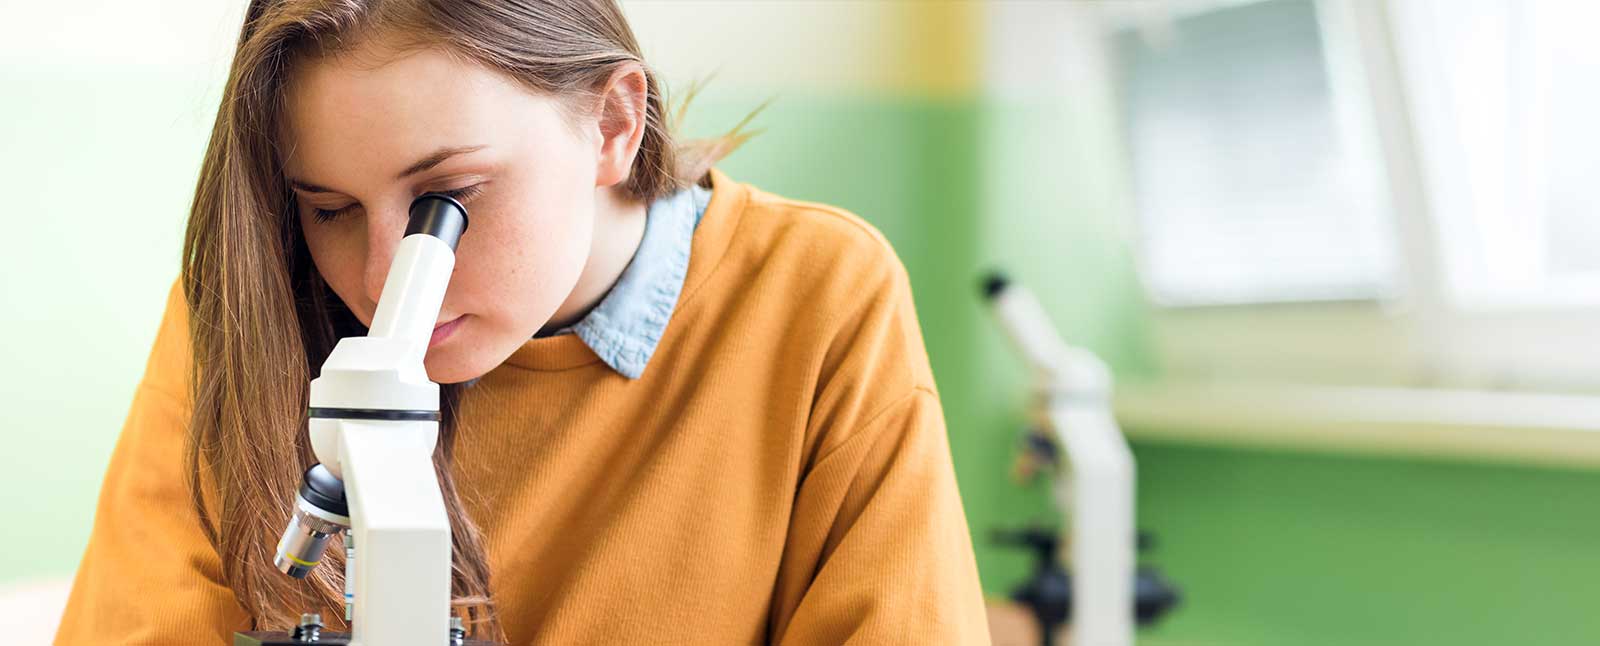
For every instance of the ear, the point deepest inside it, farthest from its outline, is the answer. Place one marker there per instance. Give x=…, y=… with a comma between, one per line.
x=622, y=122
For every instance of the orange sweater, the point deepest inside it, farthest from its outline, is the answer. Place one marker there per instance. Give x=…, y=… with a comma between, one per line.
x=781, y=474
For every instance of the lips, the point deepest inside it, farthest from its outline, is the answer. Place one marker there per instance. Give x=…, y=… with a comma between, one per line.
x=444, y=330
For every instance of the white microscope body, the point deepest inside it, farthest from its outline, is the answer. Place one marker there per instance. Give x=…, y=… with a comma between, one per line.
x=1074, y=389
x=374, y=425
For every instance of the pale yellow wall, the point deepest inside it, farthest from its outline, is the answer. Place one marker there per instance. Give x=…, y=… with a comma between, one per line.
x=815, y=47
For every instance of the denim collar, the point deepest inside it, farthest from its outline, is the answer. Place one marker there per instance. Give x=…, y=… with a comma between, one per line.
x=624, y=329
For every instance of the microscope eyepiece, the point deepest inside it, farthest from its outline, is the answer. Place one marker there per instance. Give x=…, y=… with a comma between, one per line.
x=320, y=512
x=992, y=284
x=438, y=215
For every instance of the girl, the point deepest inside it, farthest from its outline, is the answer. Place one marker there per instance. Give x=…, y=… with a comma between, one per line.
x=676, y=409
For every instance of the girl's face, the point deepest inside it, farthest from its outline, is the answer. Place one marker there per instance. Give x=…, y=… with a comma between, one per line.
x=363, y=141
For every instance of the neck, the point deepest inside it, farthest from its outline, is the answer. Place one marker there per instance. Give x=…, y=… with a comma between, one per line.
x=618, y=228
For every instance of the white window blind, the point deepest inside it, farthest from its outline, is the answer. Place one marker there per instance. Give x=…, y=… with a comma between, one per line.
x=1254, y=167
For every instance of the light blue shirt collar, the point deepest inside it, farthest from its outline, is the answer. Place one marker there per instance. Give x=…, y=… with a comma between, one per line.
x=626, y=326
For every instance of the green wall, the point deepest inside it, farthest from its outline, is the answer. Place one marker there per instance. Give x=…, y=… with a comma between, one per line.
x=1285, y=548
x=97, y=191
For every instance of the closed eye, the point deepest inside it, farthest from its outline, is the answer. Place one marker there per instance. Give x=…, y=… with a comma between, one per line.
x=324, y=215
x=464, y=193
x=460, y=194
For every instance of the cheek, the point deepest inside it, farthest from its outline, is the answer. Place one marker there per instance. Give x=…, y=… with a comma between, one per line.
x=523, y=255
x=536, y=231
x=339, y=258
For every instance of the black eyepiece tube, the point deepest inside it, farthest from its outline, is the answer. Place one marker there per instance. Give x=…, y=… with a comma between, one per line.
x=994, y=283
x=438, y=215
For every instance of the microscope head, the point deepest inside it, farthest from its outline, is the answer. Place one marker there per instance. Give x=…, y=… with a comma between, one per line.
x=1057, y=366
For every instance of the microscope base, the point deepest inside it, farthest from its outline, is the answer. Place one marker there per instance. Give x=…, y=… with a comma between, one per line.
x=283, y=638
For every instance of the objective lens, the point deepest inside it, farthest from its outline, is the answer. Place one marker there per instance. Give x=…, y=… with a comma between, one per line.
x=303, y=542
x=319, y=513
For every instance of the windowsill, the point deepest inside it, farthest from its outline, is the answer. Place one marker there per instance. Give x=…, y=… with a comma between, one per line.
x=1506, y=427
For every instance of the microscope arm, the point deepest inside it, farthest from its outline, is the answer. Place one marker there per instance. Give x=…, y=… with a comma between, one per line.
x=402, y=534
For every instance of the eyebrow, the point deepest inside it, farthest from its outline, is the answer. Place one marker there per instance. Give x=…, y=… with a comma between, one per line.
x=422, y=165
x=433, y=160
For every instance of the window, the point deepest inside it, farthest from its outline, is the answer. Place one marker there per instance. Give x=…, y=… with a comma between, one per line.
x=1254, y=167
x=1422, y=164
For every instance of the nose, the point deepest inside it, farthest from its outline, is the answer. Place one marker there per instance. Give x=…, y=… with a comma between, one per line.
x=383, y=238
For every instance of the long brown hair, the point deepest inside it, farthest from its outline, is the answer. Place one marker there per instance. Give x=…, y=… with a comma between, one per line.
x=262, y=318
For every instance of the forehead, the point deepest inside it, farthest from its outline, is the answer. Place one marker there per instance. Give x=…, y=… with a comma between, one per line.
x=380, y=107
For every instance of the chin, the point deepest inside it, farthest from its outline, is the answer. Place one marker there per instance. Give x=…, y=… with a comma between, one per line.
x=448, y=368
x=471, y=352
x=452, y=374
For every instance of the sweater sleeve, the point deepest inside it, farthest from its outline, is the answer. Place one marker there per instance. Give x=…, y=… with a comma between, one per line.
x=148, y=575
x=893, y=559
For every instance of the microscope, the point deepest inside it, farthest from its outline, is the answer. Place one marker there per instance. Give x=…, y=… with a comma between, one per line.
x=1105, y=594
x=374, y=422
